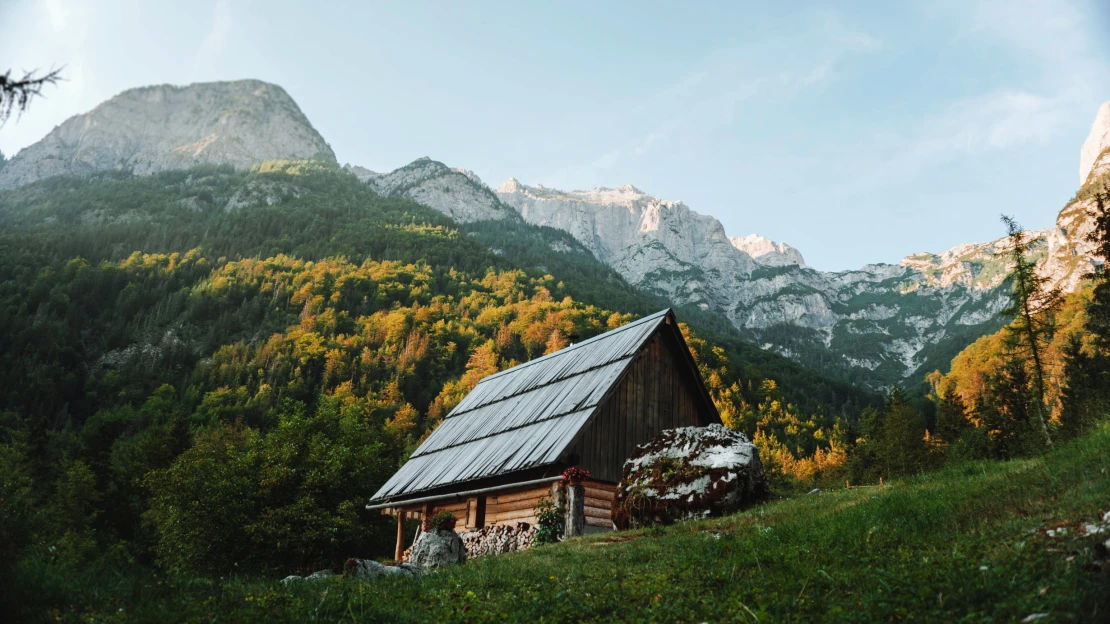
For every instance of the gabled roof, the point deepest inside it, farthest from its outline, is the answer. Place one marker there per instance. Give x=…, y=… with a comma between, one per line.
x=523, y=417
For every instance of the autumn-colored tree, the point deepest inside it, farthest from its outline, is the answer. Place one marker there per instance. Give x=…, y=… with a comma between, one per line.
x=555, y=342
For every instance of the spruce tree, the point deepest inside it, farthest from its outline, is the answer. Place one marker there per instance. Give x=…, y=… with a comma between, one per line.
x=951, y=417
x=1033, y=304
x=902, y=448
x=1007, y=410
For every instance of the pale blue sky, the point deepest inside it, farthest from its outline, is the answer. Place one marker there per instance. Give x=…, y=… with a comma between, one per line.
x=856, y=131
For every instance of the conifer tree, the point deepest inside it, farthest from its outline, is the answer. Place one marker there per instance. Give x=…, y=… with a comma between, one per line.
x=1008, y=411
x=951, y=417
x=902, y=446
x=1033, y=303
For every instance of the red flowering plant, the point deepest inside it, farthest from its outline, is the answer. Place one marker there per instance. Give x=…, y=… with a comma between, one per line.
x=440, y=520
x=575, y=474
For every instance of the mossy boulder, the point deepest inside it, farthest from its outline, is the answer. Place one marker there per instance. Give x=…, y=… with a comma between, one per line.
x=688, y=473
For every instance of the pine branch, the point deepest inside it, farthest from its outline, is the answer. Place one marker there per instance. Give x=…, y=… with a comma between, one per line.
x=16, y=94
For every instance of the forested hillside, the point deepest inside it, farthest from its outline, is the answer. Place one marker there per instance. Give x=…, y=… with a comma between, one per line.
x=211, y=369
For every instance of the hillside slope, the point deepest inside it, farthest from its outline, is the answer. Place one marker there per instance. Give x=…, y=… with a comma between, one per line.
x=968, y=543
x=306, y=212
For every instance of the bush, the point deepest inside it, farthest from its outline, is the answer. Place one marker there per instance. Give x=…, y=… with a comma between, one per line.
x=550, y=521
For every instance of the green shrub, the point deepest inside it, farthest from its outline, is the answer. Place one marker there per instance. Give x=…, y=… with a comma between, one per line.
x=550, y=521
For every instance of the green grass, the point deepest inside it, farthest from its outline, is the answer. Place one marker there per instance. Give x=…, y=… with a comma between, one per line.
x=961, y=544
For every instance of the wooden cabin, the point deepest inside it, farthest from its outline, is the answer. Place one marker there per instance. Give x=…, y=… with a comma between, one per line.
x=505, y=445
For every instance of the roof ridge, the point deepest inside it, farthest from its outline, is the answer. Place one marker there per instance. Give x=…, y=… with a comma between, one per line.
x=578, y=345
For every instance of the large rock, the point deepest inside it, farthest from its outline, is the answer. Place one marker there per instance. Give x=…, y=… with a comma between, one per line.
x=367, y=569
x=315, y=576
x=688, y=473
x=158, y=128
x=437, y=549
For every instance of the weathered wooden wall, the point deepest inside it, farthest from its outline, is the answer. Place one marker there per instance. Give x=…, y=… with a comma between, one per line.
x=658, y=392
x=599, y=503
x=515, y=506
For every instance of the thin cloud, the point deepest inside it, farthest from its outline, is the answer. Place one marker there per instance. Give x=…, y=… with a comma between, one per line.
x=712, y=95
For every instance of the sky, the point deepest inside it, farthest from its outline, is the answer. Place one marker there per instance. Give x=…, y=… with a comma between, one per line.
x=858, y=132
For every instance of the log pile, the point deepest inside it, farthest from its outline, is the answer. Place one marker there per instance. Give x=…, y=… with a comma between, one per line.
x=498, y=539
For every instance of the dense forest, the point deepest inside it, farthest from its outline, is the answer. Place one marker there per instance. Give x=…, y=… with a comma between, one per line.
x=211, y=370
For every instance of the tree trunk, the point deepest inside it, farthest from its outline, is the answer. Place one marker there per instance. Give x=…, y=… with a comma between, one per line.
x=1038, y=372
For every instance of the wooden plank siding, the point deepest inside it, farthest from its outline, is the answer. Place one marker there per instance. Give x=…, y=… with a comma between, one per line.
x=658, y=392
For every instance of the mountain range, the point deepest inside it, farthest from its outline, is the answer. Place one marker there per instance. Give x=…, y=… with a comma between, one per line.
x=877, y=325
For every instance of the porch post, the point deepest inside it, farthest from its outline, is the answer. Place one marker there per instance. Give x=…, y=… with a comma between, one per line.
x=400, y=550
x=576, y=509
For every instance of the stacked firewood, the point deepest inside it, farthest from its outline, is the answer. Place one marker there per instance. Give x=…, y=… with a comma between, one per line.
x=498, y=539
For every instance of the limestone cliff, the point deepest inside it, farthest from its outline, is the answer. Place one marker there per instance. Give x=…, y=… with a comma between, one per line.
x=164, y=127
x=1094, y=148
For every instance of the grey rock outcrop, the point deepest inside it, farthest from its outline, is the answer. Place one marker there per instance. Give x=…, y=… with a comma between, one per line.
x=437, y=549
x=457, y=193
x=315, y=576
x=688, y=473
x=367, y=569
x=158, y=128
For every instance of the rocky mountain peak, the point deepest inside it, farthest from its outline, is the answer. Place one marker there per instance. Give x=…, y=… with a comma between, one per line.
x=157, y=128
x=1097, y=142
x=512, y=185
x=766, y=251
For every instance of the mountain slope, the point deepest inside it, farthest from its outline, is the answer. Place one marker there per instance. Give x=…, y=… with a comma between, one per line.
x=317, y=213
x=166, y=127
x=492, y=222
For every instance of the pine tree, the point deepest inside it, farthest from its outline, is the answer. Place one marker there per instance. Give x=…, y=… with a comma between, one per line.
x=1007, y=411
x=902, y=448
x=951, y=417
x=1032, y=306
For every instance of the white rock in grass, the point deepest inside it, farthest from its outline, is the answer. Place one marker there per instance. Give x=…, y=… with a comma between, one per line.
x=366, y=569
x=687, y=473
x=437, y=549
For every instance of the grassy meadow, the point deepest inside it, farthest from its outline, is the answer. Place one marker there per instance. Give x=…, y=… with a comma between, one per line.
x=966, y=543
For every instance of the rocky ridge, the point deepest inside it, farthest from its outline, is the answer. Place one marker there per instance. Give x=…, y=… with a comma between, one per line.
x=457, y=193
x=880, y=318
x=158, y=128
x=881, y=323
